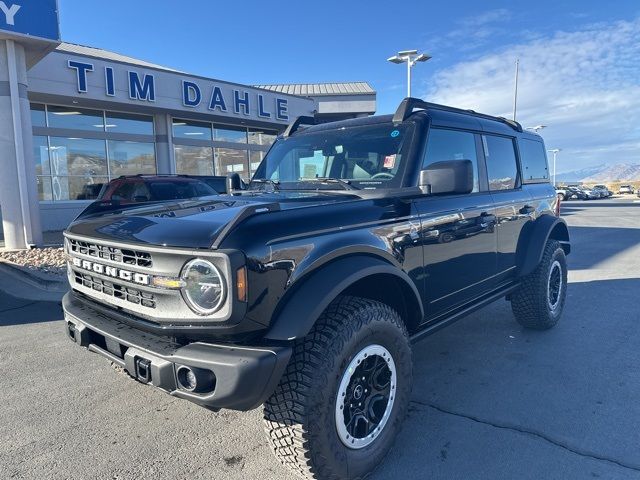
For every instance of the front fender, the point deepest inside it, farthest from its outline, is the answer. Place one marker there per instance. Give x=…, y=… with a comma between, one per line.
x=534, y=237
x=299, y=310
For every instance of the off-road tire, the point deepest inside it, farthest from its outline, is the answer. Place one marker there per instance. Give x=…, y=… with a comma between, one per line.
x=531, y=303
x=299, y=417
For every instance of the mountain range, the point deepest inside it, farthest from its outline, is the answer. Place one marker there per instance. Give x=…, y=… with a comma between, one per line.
x=625, y=172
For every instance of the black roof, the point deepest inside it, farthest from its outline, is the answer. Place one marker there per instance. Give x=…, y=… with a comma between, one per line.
x=441, y=115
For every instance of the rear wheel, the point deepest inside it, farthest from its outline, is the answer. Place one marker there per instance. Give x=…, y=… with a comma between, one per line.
x=344, y=395
x=539, y=301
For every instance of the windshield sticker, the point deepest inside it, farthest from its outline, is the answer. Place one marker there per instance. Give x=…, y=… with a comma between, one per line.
x=309, y=171
x=395, y=133
x=389, y=161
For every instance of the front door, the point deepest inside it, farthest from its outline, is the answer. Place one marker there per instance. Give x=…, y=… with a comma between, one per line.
x=458, y=232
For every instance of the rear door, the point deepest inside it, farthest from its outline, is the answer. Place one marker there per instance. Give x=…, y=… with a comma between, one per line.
x=514, y=205
x=457, y=231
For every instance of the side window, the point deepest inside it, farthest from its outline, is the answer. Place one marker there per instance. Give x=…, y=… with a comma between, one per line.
x=534, y=161
x=443, y=145
x=502, y=168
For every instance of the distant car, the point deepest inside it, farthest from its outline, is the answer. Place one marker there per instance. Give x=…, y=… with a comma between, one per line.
x=603, y=190
x=562, y=193
x=576, y=193
x=590, y=194
x=625, y=189
x=152, y=188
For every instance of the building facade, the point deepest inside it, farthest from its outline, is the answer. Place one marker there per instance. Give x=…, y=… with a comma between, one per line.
x=95, y=115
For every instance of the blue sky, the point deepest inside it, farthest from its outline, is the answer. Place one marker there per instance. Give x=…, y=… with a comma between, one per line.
x=580, y=73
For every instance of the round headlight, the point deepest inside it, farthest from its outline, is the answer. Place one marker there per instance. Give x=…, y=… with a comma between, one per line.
x=204, y=288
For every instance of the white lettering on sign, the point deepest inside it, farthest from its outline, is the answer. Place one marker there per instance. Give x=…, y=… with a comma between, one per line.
x=9, y=12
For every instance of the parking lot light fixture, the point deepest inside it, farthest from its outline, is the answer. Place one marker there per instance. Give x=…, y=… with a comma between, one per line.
x=555, y=153
x=536, y=129
x=410, y=57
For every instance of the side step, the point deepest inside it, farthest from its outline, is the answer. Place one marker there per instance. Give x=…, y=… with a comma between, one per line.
x=439, y=323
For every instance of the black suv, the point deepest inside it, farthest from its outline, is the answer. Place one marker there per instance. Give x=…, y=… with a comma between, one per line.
x=304, y=291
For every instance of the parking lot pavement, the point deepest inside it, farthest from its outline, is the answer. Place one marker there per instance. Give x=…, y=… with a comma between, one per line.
x=490, y=400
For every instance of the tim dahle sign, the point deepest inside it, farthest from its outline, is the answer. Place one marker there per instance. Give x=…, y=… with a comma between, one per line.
x=142, y=87
x=33, y=18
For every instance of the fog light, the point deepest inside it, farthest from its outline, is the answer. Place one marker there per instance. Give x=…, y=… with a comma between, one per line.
x=187, y=379
x=194, y=379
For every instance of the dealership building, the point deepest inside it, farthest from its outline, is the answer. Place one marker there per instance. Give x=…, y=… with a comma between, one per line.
x=74, y=117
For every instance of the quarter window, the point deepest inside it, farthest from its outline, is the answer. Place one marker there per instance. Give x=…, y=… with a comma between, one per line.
x=534, y=161
x=445, y=145
x=502, y=168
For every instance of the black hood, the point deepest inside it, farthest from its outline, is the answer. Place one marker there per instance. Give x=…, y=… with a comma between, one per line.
x=194, y=223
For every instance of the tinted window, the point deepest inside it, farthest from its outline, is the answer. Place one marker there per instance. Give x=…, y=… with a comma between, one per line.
x=191, y=129
x=131, y=158
x=230, y=134
x=38, y=115
x=444, y=145
x=534, y=160
x=129, y=123
x=76, y=118
x=501, y=162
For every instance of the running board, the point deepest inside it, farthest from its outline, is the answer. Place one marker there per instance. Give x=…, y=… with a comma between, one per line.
x=436, y=325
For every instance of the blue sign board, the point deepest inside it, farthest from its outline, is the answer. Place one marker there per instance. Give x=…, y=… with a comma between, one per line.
x=33, y=18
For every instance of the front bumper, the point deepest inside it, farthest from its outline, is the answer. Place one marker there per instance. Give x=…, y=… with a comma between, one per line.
x=242, y=377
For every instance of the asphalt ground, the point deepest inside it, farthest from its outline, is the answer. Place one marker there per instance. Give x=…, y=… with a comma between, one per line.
x=490, y=400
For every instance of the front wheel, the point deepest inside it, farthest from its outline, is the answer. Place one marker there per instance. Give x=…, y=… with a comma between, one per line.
x=344, y=395
x=539, y=301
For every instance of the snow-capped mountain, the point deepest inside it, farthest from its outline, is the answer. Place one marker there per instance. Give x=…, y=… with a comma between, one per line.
x=602, y=173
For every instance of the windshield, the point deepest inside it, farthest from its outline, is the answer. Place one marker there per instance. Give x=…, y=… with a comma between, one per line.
x=371, y=156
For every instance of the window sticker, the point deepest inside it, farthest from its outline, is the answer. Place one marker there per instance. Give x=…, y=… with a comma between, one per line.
x=309, y=170
x=395, y=133
x=389, y=161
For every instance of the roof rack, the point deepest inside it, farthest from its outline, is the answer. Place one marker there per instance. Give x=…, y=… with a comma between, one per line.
x=293, y=127
x=409, y=104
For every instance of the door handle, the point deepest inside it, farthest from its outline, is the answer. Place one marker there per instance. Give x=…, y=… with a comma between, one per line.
x=527, y=209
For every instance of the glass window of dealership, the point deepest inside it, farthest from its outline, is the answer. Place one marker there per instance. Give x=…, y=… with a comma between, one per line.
x=77, y=150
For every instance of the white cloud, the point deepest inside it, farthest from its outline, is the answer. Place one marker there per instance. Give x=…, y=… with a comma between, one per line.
x=585, y=85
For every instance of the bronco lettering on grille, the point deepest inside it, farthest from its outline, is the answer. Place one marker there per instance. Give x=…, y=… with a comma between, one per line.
x=113, y=272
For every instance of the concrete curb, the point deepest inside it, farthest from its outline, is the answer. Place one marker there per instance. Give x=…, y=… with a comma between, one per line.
x=22, y=283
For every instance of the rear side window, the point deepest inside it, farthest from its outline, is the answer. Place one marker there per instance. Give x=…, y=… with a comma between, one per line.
x=534, y=161
x=502, y=168
x=444, y=145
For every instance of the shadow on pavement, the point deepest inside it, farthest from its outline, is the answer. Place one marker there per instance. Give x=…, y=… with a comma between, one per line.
x=16, y=311
x=490, y=397
x=597, y=244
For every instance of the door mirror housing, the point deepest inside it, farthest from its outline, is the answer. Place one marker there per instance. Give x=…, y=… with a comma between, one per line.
x=447, y=177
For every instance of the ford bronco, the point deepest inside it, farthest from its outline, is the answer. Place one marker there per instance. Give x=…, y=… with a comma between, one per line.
x=303, y=291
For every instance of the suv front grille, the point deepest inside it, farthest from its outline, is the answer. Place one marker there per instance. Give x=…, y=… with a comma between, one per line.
x=132, y=295
x=114, y=254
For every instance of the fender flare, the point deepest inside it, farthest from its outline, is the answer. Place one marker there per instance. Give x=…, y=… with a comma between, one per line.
x=533, y=239
x=304, y=305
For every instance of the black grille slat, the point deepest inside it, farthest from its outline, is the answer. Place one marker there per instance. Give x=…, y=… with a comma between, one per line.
x=121, y=292
x=114, y=254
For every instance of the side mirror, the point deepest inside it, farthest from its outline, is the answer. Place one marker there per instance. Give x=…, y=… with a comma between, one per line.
x=234, y=182
x=447, y=177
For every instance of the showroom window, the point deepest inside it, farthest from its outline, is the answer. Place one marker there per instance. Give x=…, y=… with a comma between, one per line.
x=73, y=167
x=194, y=160
x=204, y=148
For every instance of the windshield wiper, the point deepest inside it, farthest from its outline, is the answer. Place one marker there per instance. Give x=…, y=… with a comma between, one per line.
x=345, y=183
x=267, y=181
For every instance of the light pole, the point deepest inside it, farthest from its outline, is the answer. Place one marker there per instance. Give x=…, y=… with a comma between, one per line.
x=515, y=90
x=555, y=152
x=410, y=57
x=536, y=129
